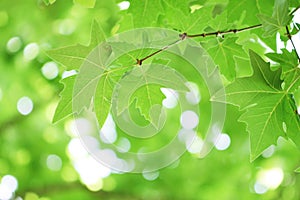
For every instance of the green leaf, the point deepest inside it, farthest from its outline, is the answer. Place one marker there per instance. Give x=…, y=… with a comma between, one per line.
x=179, y=18
x=145, y=12
x=224, y=53
x=270, y=110
x=297, y=170
x=64, y=107
x=280, y=18
x=49, y=2
x=287, y=60
x=103, y=97
x=86, y=3
x=73, y=56
x=143, y=84
x=242, y=11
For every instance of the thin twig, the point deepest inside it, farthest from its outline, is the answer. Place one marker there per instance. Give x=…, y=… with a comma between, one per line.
x=220, y=33
x=183, y=36
x=290, y=38
x=297, y=8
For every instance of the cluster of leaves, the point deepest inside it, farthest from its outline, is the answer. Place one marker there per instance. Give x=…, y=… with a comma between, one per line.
x=265, y=94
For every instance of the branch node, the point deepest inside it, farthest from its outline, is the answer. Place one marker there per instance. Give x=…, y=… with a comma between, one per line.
x=183, y=36
x=139, y=62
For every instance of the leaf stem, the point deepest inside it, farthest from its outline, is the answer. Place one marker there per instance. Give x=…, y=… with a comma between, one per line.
x=183, y=36
x=290, y=38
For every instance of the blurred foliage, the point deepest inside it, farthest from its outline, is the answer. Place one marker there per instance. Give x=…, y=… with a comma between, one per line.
x=35, y=151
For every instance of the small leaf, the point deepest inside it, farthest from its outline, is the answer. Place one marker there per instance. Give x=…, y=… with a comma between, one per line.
x=64, y=107
x=49, y=2
x=280, y=18
x=297, y=170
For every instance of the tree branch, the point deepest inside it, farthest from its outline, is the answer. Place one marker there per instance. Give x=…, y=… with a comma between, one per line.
x=183, y=36
x=290, y=38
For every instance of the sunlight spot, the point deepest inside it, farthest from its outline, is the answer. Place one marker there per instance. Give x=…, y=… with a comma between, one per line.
x=279, y=44
x=66, y=74
x=8, y=186
x=31, y=51
x=193, y=97
x=270, y=178
x=195, y=7
x=25, y=105
x=95, y=186
x=298, y=109
x=66, y=27
x=10, y=181
x=123, y=145
x=83, y=126
x=186, y=136
x=108, y=133
x=50, y=70
x=70, y=128
x=296, y=41
x=14, y=44
x=189, y=119
x=196, y=146
x=54, y=162
x=171, y=98
x=5, y=192
x=269, y=151
x=296, y=17
x=76, y=149
x=90, y=170
x=124, y=5
x=151, y=176
x=223, y=142
x=284, y=126
x=69, y=174
x=259, y=188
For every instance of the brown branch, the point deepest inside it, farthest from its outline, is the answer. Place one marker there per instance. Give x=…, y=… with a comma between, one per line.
x=183, y=36
x=220, y=33
x=290, y=38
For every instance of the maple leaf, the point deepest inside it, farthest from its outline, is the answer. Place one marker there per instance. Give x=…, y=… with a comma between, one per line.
x=73, y=56
x=143, y=84
x=280, y=18
x=225, y=53
x=270, y=110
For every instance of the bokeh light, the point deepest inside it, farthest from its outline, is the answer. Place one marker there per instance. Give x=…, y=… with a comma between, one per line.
x=189, y=119
x=14, y=44
x=223, y=142
x=124, y=5
x=31, y=51
x=25, y=105
x=50, y=70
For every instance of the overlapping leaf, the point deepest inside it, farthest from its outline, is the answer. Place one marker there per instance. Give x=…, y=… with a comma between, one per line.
x=224, y=53
x=280, y=18
x=72, y=57
x=270, y=110
x=143, y=84
x=64, y=108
